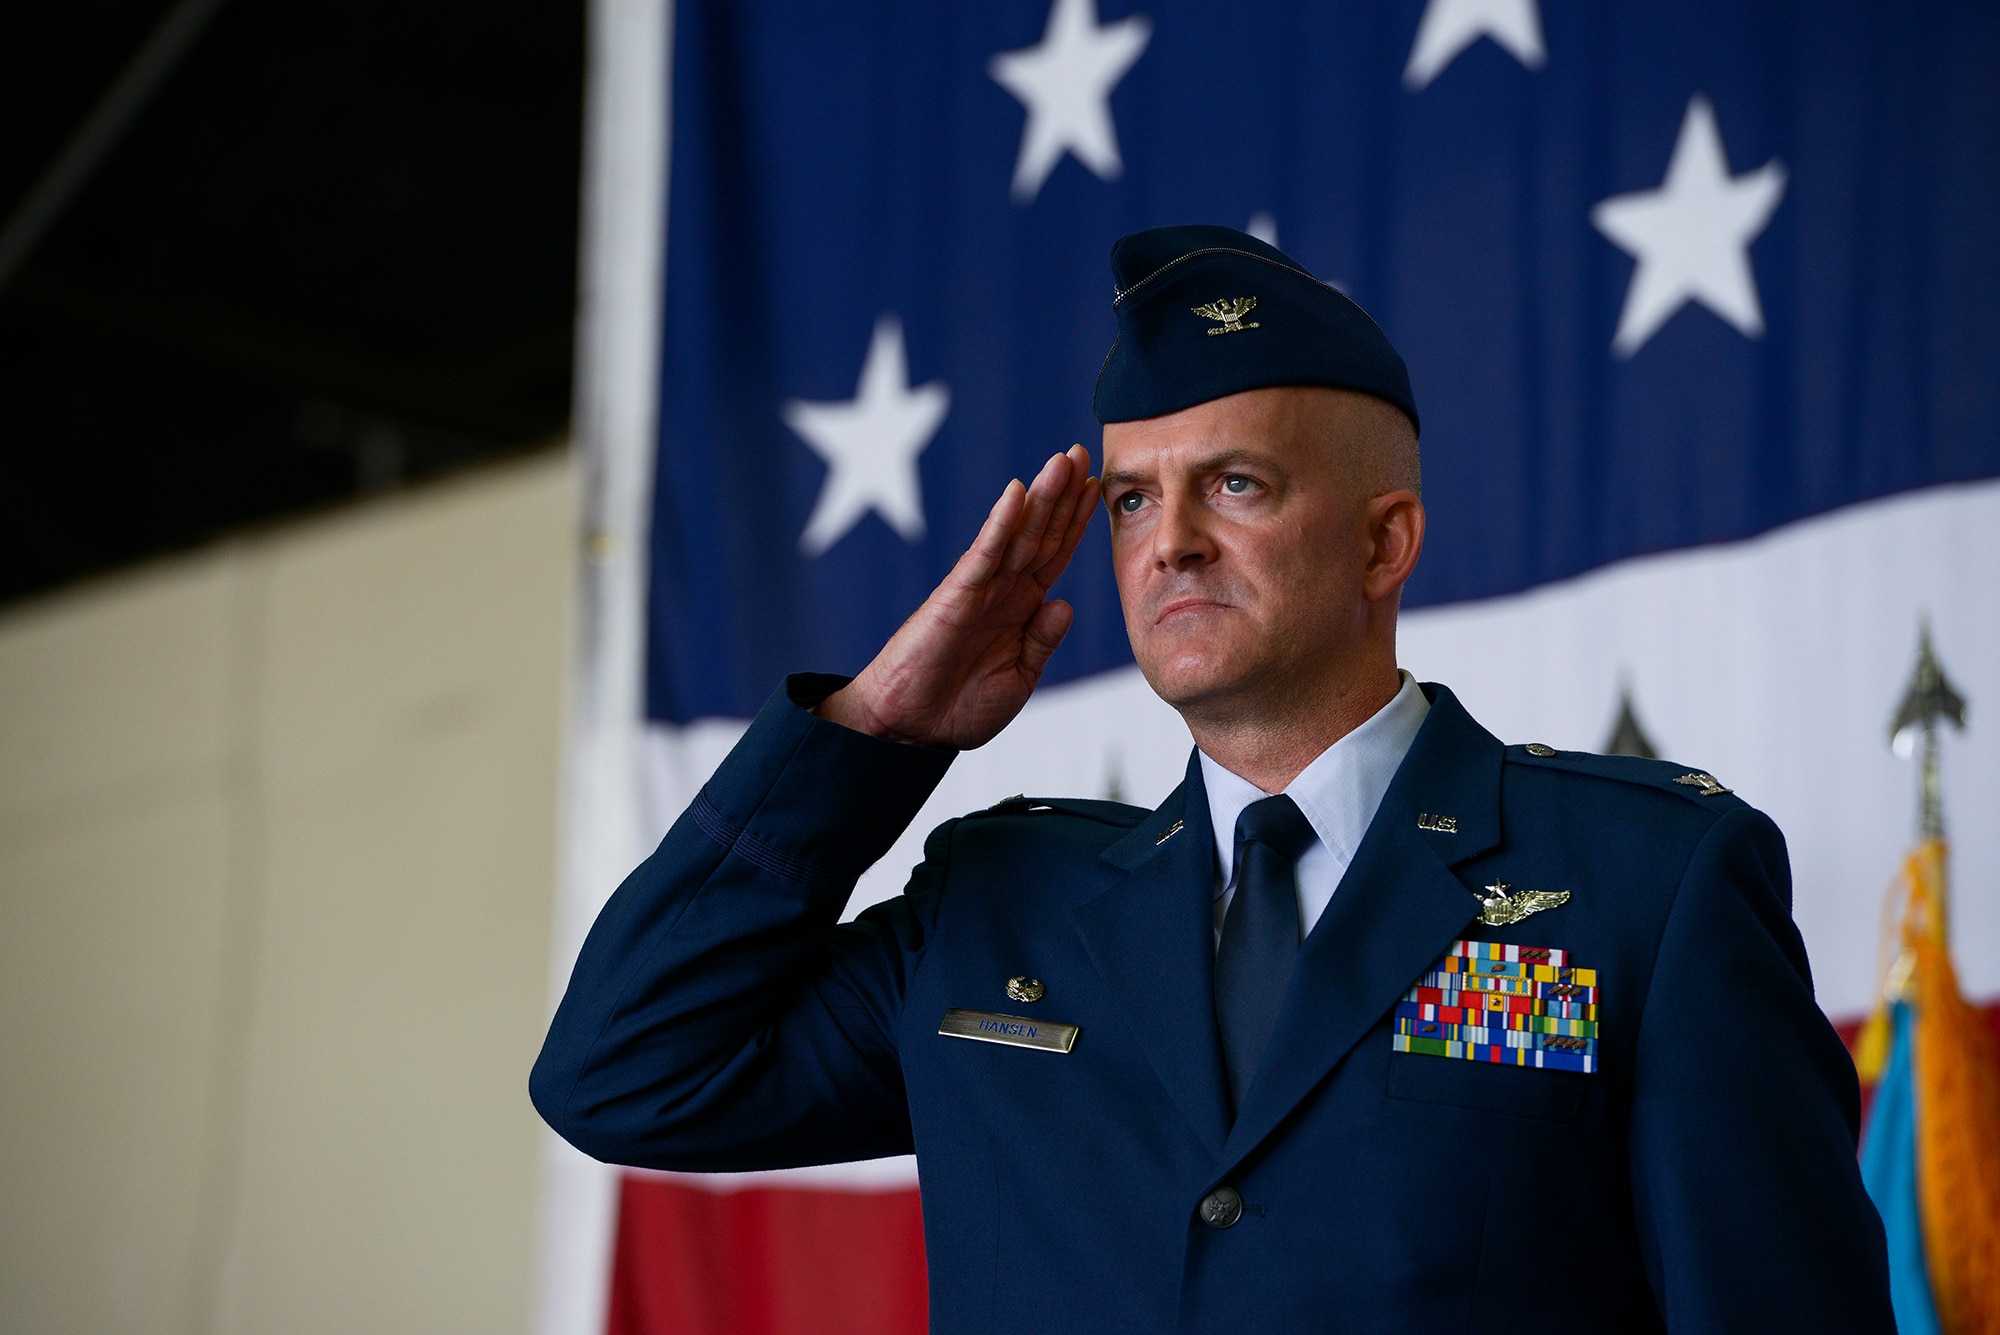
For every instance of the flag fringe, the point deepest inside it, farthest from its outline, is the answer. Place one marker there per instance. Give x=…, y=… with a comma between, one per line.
x=1957, y=1076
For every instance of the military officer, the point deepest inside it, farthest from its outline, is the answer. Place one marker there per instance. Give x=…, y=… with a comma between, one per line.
x=1374, y=1025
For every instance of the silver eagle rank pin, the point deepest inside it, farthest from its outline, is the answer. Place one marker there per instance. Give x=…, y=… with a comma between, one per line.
x=1229, y=313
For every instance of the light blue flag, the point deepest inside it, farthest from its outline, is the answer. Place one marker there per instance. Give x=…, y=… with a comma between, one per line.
x=1889, y=1171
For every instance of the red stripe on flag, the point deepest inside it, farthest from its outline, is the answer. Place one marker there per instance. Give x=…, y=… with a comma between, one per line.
x=784, y=1261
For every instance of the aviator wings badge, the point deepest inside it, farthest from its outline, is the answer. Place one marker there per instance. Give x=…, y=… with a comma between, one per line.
x=1230, y=312
x=1500, y=909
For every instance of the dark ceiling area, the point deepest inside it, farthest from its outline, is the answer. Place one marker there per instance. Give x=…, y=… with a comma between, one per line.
x=332, y=252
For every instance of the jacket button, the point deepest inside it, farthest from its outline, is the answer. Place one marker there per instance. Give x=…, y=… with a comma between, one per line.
x=1221, y=1207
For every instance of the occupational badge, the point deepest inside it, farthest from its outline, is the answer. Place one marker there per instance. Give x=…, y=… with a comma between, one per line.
x=1498, y=908
x=1025, y=989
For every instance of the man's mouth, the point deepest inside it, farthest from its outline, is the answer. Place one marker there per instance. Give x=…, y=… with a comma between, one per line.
x=1176, y=606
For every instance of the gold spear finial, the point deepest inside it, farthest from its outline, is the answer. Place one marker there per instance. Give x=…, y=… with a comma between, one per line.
x=1918, y=899
x=1929, y=699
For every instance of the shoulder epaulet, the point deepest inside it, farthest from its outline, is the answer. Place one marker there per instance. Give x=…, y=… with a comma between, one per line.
x=1695, y=785
x=1110, y=813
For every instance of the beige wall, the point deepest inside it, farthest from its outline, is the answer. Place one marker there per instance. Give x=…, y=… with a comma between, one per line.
x=277, y=843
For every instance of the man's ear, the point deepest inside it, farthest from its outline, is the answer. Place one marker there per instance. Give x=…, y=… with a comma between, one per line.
x=1395, y=523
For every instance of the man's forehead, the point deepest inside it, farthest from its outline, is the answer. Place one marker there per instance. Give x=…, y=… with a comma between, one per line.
x=1256, y=422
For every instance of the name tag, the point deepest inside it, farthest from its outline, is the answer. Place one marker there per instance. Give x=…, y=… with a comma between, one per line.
x=1011, y=1029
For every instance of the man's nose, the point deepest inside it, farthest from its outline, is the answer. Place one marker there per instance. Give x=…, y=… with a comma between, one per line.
x=1181, y=539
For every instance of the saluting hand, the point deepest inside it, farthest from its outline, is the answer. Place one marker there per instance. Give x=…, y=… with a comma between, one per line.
x=965, y=662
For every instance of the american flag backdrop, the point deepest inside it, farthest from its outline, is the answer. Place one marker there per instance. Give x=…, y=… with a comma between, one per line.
x=1701, y=304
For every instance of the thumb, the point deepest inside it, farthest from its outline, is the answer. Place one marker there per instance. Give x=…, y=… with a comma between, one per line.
x=1045, y=630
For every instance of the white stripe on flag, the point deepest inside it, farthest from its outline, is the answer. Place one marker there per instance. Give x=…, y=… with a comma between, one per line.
x=1773, y=664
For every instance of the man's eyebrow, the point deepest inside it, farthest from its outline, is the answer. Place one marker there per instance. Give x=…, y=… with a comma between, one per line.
x=1213, y=463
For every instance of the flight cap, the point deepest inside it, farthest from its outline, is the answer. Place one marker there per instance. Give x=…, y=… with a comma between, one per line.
x=1206, y=311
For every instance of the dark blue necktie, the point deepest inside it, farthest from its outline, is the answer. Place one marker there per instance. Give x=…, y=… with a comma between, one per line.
x=1260, y=933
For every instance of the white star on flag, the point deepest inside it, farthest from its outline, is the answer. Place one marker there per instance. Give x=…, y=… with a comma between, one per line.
x=870, y=444
x=1692, y=236
x=1065, y=83
x=1449, y=26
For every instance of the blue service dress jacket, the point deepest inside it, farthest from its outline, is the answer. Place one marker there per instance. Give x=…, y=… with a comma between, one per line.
x=1701, y=1178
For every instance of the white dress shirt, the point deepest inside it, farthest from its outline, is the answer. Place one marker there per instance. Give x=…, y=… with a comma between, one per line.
x=1338, y=794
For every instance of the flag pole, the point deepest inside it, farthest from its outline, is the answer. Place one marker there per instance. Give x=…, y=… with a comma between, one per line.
x=1929, y=699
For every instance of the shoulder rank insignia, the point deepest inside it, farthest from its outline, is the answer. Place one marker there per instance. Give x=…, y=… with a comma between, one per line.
x=1706, y=782
x=1500, y=909
x=1230, y=312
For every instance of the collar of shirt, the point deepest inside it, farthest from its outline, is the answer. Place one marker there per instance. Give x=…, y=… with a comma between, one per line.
x=1338, y=794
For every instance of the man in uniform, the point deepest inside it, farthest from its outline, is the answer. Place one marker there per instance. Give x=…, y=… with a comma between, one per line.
x=1374, y=1025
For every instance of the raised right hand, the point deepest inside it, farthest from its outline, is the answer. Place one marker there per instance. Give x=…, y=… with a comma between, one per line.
x=965, y=662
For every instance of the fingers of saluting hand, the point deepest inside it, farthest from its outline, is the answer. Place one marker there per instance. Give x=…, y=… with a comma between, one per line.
x=1053, y=502
x=1073, y=517
x=1044, y=494
x=982, y=559
x=1066, y=506
x=1034, y=528
x=1044, y=633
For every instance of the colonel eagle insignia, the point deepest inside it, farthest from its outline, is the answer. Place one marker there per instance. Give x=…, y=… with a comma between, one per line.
x=1230, y=312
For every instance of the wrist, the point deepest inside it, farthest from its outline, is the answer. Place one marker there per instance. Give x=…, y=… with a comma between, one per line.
x=854, y=706
x=850, y=709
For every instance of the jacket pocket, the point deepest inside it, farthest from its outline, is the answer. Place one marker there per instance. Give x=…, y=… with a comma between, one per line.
x=1519, y=1091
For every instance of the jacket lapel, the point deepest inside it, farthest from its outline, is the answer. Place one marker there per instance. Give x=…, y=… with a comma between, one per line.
x=1396, y=910
x=1158, y=923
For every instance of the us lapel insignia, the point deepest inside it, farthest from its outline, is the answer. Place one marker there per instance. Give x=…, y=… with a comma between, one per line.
x=1497, y=908
x=1230, y=313
x=1504, y=1005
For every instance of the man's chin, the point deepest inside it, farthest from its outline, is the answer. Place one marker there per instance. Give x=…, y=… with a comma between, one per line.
x=1193, y=682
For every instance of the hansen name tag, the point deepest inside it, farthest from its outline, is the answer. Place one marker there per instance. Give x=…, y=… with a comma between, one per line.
x=1021, y=1033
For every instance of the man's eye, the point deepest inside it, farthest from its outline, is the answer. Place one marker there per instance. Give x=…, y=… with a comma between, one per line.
x=1236, y=484
x=1130, y=502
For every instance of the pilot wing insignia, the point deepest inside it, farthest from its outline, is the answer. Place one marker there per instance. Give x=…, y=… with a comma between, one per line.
x=1498, y=908
x=1230, y=312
